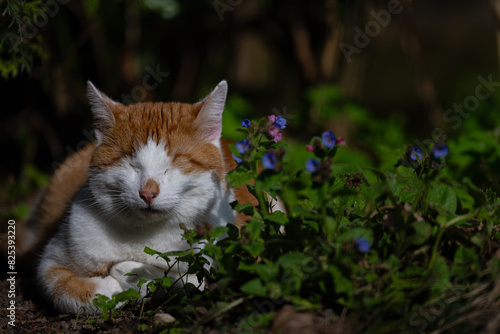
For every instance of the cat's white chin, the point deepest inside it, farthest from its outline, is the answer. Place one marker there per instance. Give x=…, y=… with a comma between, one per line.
x=151, y=212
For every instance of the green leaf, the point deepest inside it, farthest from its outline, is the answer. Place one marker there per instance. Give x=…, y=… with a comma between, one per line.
x=254, y=228
x=265, y=271
x=440, y=275
x=219, y=231
x=255, y=323
x=150, y=251
x=342, y=284
x=466, y=200
x=423, y=231
x=232, y=231
x=444, y=196
x=278, y=217
x=270, y=182
x=254, y=249
x=239, y=176
x=246, y=208
x=126, y=295
x=294, y=259
x=254, y=287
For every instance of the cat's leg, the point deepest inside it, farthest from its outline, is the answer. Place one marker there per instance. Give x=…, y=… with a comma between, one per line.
x=72, y=292
x=148, y=272
x=137, y=270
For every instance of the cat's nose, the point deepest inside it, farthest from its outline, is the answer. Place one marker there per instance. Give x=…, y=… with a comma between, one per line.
x=149, y=192
x=148, y=196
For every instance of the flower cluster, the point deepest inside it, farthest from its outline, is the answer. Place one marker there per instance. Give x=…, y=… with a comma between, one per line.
x=274, y=130
x=354, y=180
x=256, y=133
x=324, y=150
x=439, y=151
x=203, y=230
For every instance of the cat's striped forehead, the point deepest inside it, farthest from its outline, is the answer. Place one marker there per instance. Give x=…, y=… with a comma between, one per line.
x=168, y=124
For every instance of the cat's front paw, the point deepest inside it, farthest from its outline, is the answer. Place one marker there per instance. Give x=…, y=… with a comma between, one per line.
x=137, y=270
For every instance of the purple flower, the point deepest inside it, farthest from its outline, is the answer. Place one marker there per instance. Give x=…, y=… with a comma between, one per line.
x=237, y=159
x=362, y=244
x=275, y=133
x=329, y=139
x=416, y=153
x=245, y=123
x=280, y=122
x=309, y=148
x=269, y=160
x=440, y=150
x=272, y=118
x=340, y=141
x=312, y=165
x=278, y=137
x=243, y=145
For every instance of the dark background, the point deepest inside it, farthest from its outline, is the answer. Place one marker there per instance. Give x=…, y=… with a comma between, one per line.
x=278, y=56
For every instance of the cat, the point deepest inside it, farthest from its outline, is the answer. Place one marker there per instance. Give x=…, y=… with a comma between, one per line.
x=153, y=166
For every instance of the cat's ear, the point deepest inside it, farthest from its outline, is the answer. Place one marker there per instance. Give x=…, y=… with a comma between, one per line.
x=209, y=119
x=101, y=107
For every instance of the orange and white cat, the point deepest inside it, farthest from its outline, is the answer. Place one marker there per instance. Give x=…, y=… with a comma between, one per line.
x=153, y=167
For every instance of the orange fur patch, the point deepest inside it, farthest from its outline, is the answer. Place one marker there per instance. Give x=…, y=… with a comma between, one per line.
x=241, y=193
x=151, y=186
x=62, y=188
x=171, y=123
x=69, y=284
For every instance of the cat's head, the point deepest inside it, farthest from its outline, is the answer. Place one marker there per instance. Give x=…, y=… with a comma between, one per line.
x=157, y=162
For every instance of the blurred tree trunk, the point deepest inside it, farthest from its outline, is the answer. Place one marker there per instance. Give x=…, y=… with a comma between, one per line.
x=495, y=4
x=424, y=83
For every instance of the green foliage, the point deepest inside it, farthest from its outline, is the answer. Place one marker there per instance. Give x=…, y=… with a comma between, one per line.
x=384, y=246
x=20, y=41
x=108, y=305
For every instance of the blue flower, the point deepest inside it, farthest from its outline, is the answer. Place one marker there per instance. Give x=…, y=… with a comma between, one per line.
x=312, y=165
x=245, y=123
x=237, y=159
x=328, y=138
x=440, y=150
x=362, y=244
x=280, y=122
x=416, y=154
x=269, y=160
x=243, y=145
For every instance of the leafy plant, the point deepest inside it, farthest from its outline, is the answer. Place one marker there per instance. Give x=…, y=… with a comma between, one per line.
x=108, y=306
x=385, y=247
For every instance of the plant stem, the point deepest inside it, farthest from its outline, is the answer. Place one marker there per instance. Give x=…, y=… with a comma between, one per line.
x=435, y=249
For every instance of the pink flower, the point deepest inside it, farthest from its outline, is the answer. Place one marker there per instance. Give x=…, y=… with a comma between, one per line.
x=272, y=118
x=340, y=141
x=309, y=148
x=275, y=133
x=273, y=130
